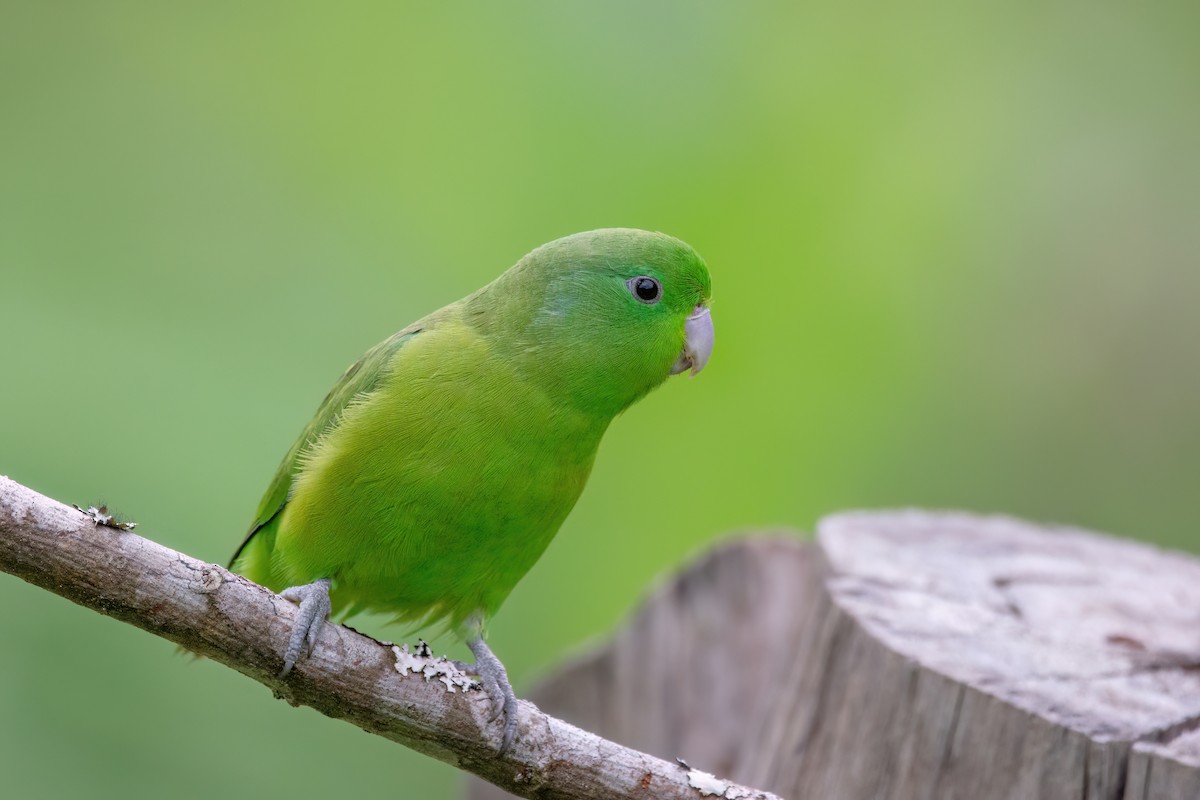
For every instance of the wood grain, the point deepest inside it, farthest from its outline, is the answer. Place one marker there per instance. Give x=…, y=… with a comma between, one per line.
x=913, y=655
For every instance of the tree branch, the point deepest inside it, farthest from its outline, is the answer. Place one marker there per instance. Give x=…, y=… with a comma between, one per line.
x=349, y=676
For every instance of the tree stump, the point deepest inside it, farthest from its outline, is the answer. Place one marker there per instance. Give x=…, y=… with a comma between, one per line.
x=912, y=655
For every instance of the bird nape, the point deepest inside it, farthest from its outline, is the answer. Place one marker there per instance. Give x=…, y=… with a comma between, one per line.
x=442, y=463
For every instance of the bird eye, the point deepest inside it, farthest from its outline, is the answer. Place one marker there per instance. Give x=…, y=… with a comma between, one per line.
x=645, y=289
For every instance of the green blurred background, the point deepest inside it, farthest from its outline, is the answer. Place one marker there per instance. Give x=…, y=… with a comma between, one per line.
x=954, y=250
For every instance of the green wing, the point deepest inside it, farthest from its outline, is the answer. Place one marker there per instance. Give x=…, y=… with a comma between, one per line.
x=361, y=378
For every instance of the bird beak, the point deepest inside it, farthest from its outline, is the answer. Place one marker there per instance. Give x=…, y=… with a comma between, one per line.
x=698, y=344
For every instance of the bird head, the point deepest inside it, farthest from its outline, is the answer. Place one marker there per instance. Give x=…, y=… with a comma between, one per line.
x=604, y=316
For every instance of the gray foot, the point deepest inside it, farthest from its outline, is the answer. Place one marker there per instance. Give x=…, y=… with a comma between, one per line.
x=314, y=610
x=495, y=682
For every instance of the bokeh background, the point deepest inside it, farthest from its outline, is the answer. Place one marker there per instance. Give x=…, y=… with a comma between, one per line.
x=954, y=250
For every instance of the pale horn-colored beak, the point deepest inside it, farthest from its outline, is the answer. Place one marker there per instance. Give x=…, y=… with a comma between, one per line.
x=698, y=344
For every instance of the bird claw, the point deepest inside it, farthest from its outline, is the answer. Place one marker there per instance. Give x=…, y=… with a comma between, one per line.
x=494, y=693
x=510, y=721
x=498, y=703
x=494, y=678
x=315, y=608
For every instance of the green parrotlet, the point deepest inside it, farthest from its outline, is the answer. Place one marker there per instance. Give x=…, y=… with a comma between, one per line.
x=440, y=466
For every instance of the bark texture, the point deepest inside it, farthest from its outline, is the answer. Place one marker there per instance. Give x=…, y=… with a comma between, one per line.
x=913, y=655
x=349, y=676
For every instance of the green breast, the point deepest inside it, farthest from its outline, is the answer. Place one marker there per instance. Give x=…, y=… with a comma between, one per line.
x=437, y=492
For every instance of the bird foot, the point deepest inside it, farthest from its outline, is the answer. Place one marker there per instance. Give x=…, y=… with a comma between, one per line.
x=314, y=610
x=495, y=682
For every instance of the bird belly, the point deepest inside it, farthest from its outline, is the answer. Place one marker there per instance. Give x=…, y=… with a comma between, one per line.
x=434, y=515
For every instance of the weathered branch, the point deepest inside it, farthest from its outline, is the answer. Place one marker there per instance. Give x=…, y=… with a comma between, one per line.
x=349, y=676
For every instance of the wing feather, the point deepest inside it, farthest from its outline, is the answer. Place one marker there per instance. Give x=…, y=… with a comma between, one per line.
x=361, y=378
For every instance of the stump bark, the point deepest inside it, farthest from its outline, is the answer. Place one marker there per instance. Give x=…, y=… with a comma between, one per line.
x=912, y=655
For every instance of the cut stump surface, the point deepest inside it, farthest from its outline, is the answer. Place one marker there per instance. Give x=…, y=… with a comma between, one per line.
x=913, y=655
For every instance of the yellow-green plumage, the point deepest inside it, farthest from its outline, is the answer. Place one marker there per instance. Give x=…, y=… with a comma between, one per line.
x=442, y=464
